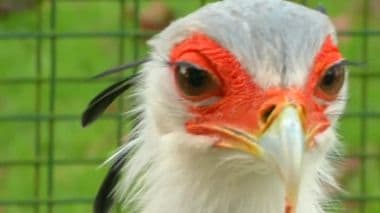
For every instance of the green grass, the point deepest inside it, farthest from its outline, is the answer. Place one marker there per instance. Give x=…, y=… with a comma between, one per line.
x=84, y=57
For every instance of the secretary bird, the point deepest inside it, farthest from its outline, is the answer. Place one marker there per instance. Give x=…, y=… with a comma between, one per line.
x=236, y=109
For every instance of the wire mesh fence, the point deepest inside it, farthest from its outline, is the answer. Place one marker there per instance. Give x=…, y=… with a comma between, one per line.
x=50, y=48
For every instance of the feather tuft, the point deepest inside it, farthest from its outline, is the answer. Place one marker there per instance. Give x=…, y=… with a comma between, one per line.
x=100, y=103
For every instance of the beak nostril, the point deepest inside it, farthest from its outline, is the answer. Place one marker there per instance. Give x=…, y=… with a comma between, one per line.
x=267, y=113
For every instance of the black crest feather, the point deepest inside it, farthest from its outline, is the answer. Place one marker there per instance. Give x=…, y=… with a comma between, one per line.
x=104, y=199
x=121, y=68
x=100, y=103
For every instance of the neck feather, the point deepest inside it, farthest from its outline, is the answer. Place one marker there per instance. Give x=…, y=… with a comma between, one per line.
x=174, y=179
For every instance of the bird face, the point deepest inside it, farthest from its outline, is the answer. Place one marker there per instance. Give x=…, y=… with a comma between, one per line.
x=224, y=100
x=276, y=125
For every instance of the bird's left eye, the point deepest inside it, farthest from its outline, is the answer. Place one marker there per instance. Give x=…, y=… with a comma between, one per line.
x=196, y=83
x=332, y=81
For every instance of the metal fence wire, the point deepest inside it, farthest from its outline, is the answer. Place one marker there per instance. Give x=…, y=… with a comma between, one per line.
x=48, y=50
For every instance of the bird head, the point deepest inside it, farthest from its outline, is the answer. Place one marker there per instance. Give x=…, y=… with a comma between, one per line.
x=263, y=79
x=259, y=82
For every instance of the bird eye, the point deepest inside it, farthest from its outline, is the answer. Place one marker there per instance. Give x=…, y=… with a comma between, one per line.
x=332, y=81
x=196, y=83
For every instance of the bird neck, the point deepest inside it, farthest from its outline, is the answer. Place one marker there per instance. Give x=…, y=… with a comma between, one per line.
x=180, y=181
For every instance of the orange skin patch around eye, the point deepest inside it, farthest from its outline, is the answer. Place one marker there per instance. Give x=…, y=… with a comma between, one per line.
x=240, y=94
x=328, y=56
x=243, y=101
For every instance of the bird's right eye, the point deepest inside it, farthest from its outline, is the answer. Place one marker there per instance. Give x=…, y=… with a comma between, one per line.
x=196, y=83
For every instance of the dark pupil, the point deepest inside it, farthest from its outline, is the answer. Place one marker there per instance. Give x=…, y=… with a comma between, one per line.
x=195, y=77
x=329, y=78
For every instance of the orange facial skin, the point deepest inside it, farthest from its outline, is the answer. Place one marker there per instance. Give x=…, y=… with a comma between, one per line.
x=241, y=103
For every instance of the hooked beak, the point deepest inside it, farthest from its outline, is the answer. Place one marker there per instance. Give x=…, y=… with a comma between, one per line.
x=281, y=142
x=284, y=144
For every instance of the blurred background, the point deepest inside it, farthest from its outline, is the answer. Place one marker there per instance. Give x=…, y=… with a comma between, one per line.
x=50, y=48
